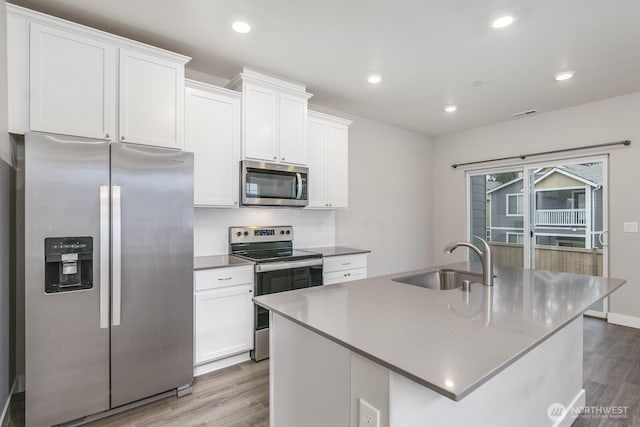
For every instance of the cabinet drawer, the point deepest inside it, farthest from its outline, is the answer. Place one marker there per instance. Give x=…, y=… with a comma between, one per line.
x=344, y=276
x=222, y=277
x=347, y=262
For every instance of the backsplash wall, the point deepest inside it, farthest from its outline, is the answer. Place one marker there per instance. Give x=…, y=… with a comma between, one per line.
x=310, y=227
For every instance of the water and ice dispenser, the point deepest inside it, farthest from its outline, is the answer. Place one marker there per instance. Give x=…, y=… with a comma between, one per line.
x=68, y=264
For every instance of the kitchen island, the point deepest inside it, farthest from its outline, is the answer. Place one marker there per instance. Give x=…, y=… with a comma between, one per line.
x=496, y=355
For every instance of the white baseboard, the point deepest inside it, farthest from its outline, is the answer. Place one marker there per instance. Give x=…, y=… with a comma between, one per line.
x=572, y=410
x=219, y=364
x=4, y=417
x=624, y=320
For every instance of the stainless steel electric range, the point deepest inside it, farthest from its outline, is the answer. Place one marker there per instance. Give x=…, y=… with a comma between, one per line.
x=278, y=268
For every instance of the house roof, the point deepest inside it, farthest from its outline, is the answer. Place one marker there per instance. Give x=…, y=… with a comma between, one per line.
x=493, y=184
x=590, y=174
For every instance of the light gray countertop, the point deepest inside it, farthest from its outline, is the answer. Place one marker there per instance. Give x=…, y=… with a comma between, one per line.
x=449, y=341
x=218, y=261
x=328, y=251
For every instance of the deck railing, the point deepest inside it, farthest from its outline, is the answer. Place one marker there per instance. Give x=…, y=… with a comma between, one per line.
x=561, y=217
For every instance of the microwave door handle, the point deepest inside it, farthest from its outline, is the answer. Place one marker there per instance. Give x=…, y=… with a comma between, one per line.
x=299, y=179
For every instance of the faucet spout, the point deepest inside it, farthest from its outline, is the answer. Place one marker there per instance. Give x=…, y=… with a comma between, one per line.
x=486, y=257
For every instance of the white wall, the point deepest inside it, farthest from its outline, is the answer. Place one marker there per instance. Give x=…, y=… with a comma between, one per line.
x=390, y=197
x=310, y=228
x=609, y=120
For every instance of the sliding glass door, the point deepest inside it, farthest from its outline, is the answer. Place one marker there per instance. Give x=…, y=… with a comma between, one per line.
x=549, y=216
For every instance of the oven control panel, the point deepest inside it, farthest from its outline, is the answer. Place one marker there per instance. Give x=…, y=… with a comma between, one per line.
x=252, y=234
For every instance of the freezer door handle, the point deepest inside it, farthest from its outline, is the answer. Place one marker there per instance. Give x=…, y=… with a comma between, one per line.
x=104, y=256
x=116, y=256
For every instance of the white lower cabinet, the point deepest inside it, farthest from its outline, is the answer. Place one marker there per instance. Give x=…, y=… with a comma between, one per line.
x=346, y=268
x=223, y=313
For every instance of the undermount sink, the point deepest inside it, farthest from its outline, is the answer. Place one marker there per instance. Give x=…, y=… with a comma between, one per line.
x=442, y=279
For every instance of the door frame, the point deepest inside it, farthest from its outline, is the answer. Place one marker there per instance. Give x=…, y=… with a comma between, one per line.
x=524, y=167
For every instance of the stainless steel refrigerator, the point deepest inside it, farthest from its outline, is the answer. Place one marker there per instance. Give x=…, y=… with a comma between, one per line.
x=109, y=275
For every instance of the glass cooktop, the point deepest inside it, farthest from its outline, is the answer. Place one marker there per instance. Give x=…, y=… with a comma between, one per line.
x=272, y=255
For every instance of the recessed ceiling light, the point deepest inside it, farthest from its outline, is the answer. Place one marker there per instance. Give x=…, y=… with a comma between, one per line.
x=241, y=27
x=374, y=79
x=451, y=108
x=565, y=75
x=503, y=21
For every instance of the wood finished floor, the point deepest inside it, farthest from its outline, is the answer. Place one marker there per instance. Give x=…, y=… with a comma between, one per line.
x=238, y=396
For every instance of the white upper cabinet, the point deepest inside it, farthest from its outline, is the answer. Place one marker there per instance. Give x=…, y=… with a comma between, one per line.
x=292, y=121
x=317, y=131
x=212, y=133
x=328, y=145
x=151, y=100
x=72, y=83
x=64, y=78
x=338, y=165
x=274, y=115
x=260, y=122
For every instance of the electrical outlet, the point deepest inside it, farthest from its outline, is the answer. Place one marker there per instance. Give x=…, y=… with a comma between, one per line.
x=630, y=227
x=369, y=416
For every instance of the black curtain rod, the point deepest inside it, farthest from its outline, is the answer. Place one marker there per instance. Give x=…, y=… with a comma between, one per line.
x=626, y=142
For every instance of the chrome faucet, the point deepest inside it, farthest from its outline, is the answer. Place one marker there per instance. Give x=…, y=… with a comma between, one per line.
x=486, y=258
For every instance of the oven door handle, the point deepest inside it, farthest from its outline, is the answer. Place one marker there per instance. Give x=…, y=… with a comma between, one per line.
x=286, y=265
x=299, y=179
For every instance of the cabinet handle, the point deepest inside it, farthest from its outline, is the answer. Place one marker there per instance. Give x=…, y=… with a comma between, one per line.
x=225, y=278
x=275, y=157
x=122, y=138
x=106, y=135
x=250, y=291
x=235, y=202
x=346, y=263
x=283, y=158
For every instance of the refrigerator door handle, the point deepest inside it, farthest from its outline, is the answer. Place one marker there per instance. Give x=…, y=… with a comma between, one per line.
x=104, y=256
x=116, y=256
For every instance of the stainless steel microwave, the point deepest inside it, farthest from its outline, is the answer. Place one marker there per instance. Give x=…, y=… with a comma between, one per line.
x=270, y=184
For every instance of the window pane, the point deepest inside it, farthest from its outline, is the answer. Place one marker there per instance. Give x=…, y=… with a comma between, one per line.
x=496, y=216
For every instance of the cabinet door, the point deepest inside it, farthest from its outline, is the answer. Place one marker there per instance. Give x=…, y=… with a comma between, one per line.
x=317, y=132
x=292, y=128
x=72, y=84
x=260, y=123
x=212, y=133
x=338, y=166
x=224, y=322
x=151, y=100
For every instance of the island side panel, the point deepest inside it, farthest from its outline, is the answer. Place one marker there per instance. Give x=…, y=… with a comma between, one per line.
x=310, y=377
x=519, y=395
x=370, y=382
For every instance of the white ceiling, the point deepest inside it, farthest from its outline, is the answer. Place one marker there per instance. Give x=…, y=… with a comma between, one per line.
x=428, y=51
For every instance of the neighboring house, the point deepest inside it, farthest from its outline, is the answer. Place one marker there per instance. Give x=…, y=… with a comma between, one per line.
x=568, y=207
